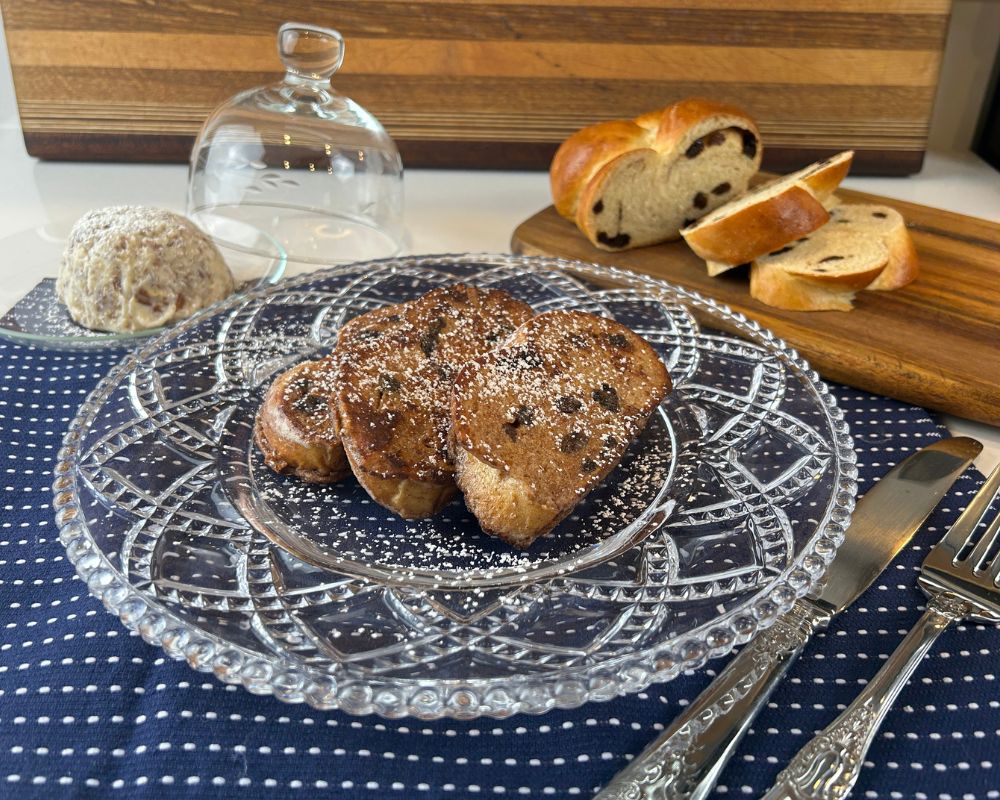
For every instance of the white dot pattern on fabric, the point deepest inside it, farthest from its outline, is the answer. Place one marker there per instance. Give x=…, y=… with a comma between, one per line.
x=87, y=710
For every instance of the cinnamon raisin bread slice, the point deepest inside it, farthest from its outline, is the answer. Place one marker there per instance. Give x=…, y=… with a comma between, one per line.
x=630, y=183
x=393, y=393
x=541, y=421
x=296, y=425
x=862, y=247
x=821, y=273
x=888, y=224
x=768, y=217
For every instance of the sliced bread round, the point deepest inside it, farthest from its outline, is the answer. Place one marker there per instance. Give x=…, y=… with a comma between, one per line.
x=861, y=247
x=768, y=217
x=819, y=273
x=901, y=265
x=830, y=256
x=784, y=290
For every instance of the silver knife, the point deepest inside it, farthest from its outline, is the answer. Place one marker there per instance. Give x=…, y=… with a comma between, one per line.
x=686, y=760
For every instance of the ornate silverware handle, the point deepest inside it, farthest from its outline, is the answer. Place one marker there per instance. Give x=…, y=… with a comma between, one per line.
x=686, y=760
x=827, y=768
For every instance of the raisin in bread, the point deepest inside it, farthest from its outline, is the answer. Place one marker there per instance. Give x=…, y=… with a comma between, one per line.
x=630, y=183
x=541, y=421
x=296, y=425
x=768, y=217
x=393, y=392
x=862, y=247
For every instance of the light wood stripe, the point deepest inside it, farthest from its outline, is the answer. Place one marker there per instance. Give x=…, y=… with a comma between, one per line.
x=552, y=130
x=871, y=6
x=68, y=110
x=507, y=59
x=404, y=132
x=481, y=127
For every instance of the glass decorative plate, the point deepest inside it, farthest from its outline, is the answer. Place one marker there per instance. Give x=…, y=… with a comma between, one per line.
x=30, y=312
x=728, y=507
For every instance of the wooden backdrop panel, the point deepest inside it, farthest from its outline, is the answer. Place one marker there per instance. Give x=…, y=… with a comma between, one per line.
x=497, y=83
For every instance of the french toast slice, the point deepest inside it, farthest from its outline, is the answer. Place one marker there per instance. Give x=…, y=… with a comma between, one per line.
x=542, y=420
x=296, y=425
x=394, y=390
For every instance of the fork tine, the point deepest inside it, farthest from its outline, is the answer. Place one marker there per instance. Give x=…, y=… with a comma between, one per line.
x=992, y=532
x=965, y=526
x=983, y=546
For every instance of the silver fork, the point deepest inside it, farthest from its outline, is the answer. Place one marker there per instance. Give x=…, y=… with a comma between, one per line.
x=961, y=578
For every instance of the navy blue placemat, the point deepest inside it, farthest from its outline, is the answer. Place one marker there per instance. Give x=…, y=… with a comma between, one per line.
x=88, y=710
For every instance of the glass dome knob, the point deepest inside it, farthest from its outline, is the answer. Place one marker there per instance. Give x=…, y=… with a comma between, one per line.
x=310, y=52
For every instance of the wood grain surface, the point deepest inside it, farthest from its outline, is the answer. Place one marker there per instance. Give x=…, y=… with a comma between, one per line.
x=134, y=80
x=935, y=343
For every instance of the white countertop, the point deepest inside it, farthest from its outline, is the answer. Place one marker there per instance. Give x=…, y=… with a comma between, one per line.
x=447, y=211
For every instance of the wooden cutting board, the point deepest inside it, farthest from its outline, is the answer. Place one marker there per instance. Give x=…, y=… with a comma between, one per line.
x=487, y=82
x=935, y=343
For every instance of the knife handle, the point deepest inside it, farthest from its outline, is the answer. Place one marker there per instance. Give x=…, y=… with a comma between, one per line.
x=685, y=762
x=828, y=766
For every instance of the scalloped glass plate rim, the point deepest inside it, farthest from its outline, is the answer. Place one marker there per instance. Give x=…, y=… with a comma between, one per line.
x=293, y=682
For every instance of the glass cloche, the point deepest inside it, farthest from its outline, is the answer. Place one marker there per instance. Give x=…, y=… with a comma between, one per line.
x=299, y=165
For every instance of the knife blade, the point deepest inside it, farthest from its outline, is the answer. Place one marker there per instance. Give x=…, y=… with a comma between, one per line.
x=685, y=762
x=889, y=514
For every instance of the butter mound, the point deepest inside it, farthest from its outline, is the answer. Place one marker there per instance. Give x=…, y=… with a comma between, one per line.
x=132, y=268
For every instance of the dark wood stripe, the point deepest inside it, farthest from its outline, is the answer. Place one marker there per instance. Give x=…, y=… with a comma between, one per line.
x=720, y=26
x=958, y=237
x=437, y=154
x=772, y=104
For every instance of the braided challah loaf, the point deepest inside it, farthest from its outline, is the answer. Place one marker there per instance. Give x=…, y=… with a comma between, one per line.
x=631, y=183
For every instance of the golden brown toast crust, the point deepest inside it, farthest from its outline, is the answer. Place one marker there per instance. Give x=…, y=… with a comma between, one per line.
x=296, y=425
x=393, y=393
x=758, y=229
x=295, y=428
x=541, y=421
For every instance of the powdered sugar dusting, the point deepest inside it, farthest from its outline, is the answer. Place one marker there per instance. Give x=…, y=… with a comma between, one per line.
x=351, y=529
x=103, y=226
x=557, y=405
x=394, y=388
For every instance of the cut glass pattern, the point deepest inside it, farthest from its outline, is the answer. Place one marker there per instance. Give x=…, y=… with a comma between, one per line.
x=728, y=507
